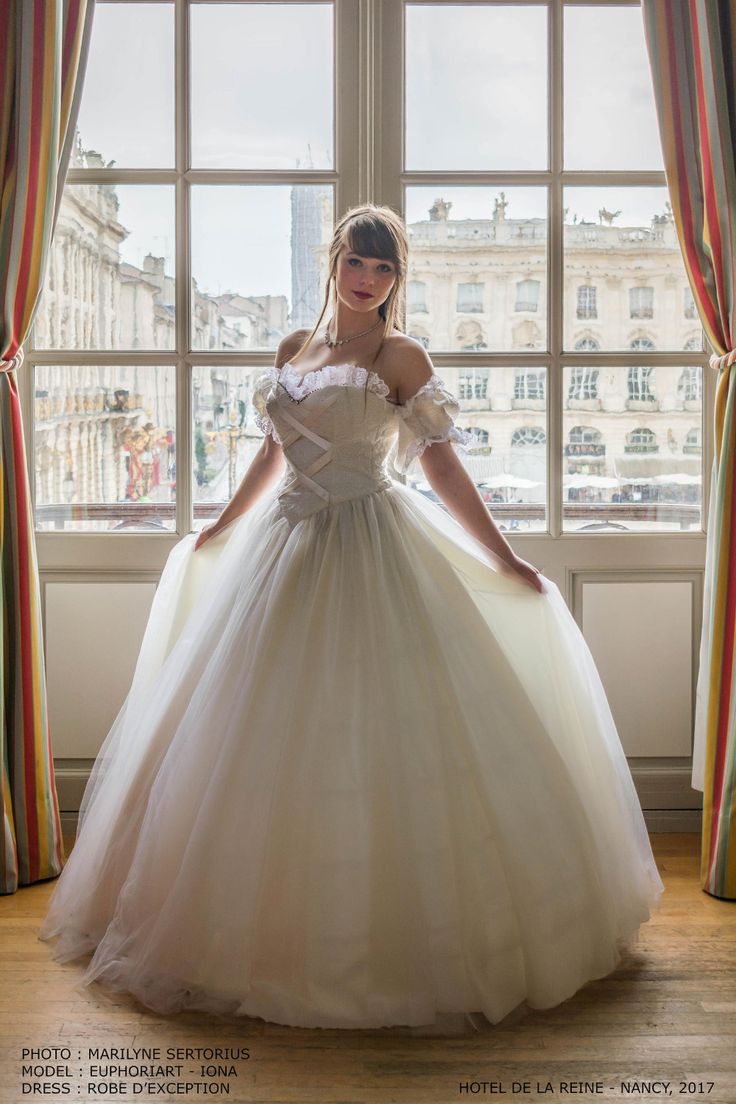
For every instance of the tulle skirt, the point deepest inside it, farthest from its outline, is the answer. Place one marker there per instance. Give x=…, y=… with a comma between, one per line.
x=361, y=779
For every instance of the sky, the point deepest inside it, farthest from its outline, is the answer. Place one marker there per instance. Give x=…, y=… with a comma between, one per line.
x=261, y=92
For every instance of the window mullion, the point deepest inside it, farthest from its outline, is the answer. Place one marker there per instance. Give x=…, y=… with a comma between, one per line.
x=350, y=107
x=183, y=275
x=555, y=282
x=388, y=107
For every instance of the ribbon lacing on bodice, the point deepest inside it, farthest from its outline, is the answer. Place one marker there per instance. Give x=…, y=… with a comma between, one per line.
x=298, y=429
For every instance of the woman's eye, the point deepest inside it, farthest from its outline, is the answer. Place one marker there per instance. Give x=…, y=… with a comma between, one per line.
x=386, y=267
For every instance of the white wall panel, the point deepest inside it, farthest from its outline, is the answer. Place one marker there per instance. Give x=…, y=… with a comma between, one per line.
x=93, y=633
x=640, y=634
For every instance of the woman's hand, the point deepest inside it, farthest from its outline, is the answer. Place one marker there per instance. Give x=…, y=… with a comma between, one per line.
x=452, y=484
x=529, y=574
x=205, y=534
x=520, y=569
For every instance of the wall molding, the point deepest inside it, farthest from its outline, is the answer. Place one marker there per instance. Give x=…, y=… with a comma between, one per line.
x=576, y=578
x=668, y=801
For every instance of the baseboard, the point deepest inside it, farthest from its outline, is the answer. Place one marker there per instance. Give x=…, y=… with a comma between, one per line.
x=674, y=820
x=668, y=801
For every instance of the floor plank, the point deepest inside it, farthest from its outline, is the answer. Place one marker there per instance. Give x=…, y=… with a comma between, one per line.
x=667, y=1014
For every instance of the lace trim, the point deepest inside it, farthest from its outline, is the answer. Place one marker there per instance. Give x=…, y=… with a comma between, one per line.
x=260, y=417
x=434, y=383
x=342, y=374
x=298, y=386
x=436, y=388
x=266, y=426
x=460, y=437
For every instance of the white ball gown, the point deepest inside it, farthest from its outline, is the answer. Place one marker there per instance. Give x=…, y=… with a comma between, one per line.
x=360, y=779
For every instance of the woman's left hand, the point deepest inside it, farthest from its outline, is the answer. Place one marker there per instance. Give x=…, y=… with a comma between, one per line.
x=521, y=569
x=529, y=574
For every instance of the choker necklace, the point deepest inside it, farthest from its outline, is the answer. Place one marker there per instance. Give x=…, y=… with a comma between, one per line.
x=333, y=344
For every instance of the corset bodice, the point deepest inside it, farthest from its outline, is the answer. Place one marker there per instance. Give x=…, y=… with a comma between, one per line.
x=342, y=436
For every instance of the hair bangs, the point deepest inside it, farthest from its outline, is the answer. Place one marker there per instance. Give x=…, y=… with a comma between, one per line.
x=372, y=237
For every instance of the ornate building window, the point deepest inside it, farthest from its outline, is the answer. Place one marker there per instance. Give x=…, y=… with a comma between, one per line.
x=644, y=343
x=585, y=441
x=416, y=297
x=583, y=383
x=694, y=441
x=527, y=295
x=640, y=381
x=473, y=384
x=470, y=298
x=528, y=436
x=641, y=302
x=641, y=439
x=529, y=383
x=587, y=301
x=690, y=384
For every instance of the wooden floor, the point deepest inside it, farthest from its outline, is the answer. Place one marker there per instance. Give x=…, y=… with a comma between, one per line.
x=668, y=1013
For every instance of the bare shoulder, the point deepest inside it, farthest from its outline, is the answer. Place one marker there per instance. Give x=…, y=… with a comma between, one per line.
x=289, y=346
x=406, y=364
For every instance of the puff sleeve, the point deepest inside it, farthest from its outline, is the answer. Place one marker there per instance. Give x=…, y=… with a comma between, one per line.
x=424, y=419
x=261, y=417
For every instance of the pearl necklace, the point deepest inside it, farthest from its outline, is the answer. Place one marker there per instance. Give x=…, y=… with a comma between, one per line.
x=334, y=344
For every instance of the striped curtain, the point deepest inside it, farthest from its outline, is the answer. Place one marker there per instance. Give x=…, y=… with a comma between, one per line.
x=692, y=46
x=44, y=52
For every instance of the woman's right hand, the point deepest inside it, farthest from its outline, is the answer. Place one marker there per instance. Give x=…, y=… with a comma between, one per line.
x=205, y=534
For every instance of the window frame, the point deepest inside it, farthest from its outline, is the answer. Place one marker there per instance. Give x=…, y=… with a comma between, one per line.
x=369, y=114
x=392, y=183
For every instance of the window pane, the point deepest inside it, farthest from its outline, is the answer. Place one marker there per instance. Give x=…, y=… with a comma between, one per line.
x=110, y=277
x=610, y=120
x=259, y=262
x=632, y=439
x=476, y=87
x=506, y=410
x=105, y=457
x=127, y=109
x=480, y=257
x=625, y=283
x=262, y=86
x=225, y=438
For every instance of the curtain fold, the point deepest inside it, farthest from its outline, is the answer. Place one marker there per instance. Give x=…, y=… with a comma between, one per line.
x=44, y=55
x=692, y=47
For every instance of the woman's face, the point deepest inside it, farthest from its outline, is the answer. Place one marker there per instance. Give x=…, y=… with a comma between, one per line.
x=371, y=276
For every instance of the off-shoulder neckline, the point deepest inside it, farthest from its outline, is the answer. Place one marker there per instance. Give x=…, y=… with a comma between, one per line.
x=376, y=383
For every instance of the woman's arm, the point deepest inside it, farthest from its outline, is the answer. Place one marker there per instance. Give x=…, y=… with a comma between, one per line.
x=266, y=465
x=447, y=476
x=449, y=479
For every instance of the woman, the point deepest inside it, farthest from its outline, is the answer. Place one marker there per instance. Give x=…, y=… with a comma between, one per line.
x=366, y=773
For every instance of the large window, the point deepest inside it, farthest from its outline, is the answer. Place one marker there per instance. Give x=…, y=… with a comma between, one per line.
x=590, y=226
x=216, y=148
x=180, y=253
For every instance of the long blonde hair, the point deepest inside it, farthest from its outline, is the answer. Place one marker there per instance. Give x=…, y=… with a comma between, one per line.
x=371, y=231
